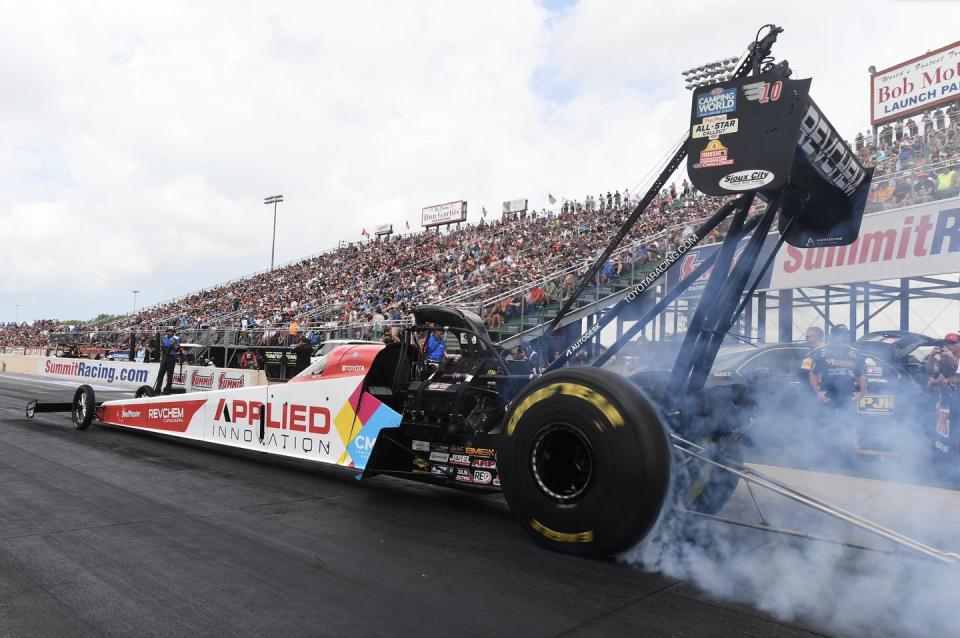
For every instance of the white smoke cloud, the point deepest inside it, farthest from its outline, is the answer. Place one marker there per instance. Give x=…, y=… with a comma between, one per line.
x=829, y=587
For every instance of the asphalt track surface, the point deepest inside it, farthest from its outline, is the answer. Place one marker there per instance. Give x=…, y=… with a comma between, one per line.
x=108, y=532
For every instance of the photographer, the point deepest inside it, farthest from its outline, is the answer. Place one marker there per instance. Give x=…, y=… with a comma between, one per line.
x=169, y=349
x=303, y=350
x=942, y=382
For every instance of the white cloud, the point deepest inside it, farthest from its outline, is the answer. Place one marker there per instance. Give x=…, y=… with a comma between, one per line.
x=139, y=140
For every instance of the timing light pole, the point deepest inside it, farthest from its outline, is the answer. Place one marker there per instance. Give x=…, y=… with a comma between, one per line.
x=135, y=301
x=273, y=199
x=16, y=318
x=709, y=73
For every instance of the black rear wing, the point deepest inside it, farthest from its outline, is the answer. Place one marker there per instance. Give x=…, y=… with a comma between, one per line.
x=765, y=134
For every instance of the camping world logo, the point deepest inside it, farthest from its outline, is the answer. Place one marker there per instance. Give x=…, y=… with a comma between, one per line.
x=716, y=102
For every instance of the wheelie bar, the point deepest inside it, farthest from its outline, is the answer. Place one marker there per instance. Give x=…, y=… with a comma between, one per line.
x=767, y=482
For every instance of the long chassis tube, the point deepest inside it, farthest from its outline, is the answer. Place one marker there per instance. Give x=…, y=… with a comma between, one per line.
x=762, y=480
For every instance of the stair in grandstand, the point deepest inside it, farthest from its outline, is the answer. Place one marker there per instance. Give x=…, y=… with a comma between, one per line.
x=530, y=319
x=108, y=320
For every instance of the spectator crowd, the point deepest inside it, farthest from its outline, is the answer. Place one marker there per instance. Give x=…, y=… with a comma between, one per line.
x=915, y=160
x=538, y=254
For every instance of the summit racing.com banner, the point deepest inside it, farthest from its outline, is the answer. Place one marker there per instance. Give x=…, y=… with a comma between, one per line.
x=125, y=374
x=109, y=372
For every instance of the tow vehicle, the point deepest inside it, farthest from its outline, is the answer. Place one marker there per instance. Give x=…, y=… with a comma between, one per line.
x=588, y=461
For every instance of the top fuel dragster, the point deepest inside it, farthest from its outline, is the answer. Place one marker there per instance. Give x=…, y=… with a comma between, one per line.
x=587, y=459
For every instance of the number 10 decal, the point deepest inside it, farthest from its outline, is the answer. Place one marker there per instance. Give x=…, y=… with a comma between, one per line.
x=771, y=92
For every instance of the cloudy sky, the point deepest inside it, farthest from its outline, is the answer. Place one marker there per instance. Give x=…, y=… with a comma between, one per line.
x=138, y=140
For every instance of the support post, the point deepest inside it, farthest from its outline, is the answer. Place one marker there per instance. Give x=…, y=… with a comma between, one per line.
x=866, y=310
x=905, y=304
x=762, y=317
x=826, y=310
x=853, y=308
x=785, y=316
x=748, y=319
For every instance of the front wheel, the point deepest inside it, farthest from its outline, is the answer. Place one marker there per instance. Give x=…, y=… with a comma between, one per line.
x=585, y=461
x=84, y=407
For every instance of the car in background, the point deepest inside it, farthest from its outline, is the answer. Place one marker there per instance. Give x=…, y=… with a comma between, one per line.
x=891, y=411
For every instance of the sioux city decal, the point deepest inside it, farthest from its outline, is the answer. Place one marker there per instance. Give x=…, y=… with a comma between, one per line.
x=746, y=180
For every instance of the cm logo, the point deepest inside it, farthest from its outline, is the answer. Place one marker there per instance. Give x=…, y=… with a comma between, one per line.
x=364, y=443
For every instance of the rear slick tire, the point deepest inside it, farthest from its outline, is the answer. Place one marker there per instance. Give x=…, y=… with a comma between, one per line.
x=84, y=407
x=585, y=462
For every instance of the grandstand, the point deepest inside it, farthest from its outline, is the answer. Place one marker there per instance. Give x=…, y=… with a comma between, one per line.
x=513, y=272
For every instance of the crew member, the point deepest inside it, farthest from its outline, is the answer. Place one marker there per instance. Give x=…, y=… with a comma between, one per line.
x=435, y=345
x=814, y=340
x=837, y=371
x=303, y=350
x=169, y=349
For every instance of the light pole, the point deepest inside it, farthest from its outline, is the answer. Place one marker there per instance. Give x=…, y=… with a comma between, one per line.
x=273, y=199
x=16, y=318
x=135, y=301
x=709, y=73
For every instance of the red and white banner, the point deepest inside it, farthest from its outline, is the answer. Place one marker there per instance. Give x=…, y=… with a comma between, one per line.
x=915, y=85
x=907, y=242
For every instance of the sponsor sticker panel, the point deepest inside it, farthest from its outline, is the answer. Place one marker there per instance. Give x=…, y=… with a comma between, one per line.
x=746, y=180
x=717, y=101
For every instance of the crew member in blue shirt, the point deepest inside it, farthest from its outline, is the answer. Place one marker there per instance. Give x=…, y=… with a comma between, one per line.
x=837, y=374
x=435, y=346
x=169, y=349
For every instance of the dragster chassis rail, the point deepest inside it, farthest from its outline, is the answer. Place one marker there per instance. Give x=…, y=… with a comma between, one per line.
x=754, y=477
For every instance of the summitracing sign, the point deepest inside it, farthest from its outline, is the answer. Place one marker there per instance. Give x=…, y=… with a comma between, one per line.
x=127, y=374
x=915, y=85
x=907, y=242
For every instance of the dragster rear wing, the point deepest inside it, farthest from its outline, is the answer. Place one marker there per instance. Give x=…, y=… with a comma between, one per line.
x=764, y=133
x=757, y=135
